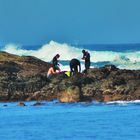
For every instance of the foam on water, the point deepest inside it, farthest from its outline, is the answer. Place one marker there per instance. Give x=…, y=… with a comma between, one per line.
x=124, y=102
x=123, y=60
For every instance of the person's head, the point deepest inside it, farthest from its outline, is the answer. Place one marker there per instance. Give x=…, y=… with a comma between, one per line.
x=57, y=56
x=83, y=51
x=52, y=66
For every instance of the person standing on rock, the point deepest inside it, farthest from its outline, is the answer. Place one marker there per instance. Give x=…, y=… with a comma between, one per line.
x=86, y=57
x=74, y=64
x=55, y=62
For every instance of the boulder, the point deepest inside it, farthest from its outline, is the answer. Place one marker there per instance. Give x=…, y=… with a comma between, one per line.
x=38, y=104
x=71, y=94
x=21, y=104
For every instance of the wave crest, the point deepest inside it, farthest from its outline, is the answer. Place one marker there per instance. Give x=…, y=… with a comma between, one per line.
x=127, y=60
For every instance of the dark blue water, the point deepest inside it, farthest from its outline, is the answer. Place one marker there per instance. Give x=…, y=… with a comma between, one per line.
x=81, y=121
x=98, y=47
x=113, y=47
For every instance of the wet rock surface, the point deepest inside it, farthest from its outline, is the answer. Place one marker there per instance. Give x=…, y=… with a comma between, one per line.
x=25, y=79
x=21, y=104
x=38, y=104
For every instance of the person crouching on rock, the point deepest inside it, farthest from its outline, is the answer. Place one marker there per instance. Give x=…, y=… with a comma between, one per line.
x=55, y=62
x=51, y=71
x=74, y=63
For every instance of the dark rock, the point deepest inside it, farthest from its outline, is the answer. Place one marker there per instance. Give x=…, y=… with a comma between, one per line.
x=20, y=77
x=71, y=94
x=21, y=104
x=25, y=79
x=38, y=104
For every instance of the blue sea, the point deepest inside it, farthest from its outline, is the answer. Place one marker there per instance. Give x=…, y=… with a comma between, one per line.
x=77, y=121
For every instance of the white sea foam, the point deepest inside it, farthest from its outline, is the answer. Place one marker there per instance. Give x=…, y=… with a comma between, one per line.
x=127, y=60
x=47, y=51
x=17, y=49
x=124, y=102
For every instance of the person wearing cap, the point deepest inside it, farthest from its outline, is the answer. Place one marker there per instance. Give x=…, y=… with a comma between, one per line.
x=55, y=62
x=86, y=57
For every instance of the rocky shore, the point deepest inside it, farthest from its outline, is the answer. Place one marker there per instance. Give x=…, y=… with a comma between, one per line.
x=25, y=79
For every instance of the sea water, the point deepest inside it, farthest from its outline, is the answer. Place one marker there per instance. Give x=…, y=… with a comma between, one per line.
x=124, y=56
x=75, y=121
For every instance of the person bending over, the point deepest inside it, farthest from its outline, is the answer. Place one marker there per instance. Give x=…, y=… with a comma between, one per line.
x=74, y=63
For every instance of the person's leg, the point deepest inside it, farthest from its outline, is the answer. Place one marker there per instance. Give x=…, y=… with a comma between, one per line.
x=75, y=69
x=87, y=65
x=71, y=70
x=49, y=75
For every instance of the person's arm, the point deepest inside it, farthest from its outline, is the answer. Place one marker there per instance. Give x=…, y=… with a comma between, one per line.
x=84, y=56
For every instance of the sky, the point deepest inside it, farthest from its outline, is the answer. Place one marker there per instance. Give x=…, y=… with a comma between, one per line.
x=35, y=22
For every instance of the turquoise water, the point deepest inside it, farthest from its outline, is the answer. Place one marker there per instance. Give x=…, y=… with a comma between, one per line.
x=80, y=121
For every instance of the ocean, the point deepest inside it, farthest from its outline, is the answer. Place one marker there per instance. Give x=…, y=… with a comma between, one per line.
x=124, y=56
x=75, y=121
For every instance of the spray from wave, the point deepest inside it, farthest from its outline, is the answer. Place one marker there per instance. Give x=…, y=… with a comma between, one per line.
x=124, y=60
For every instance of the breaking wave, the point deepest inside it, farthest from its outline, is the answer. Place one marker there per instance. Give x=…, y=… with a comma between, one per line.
x=123, y=60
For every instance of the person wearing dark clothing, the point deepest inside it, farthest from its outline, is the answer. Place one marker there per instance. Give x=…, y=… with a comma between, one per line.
x=86, y=57
x=55, y=61
x=74, y=63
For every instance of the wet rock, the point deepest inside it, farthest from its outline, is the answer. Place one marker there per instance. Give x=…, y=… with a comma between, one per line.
x=107, y=98
x=20, y=77
x=21, y=104
x=38, y=104
x=71, y=94
x=25, y=79
x=110, y=67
